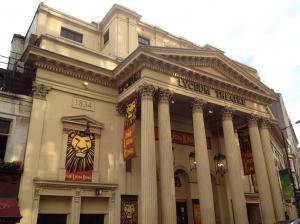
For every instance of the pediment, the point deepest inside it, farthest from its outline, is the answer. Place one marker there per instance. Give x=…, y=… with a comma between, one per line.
x=214, y=63
x=209, y=66
x=80, y=123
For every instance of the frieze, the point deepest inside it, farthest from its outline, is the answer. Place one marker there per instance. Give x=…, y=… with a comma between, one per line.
x=204, y=89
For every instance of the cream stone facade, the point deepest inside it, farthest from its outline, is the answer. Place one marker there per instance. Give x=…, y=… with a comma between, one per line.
x=87, y=72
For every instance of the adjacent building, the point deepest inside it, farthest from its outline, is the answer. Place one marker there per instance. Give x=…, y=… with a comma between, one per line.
x=15, y=109
x=131, y=124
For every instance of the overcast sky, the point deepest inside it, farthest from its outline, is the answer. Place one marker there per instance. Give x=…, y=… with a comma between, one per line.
x=264, y=34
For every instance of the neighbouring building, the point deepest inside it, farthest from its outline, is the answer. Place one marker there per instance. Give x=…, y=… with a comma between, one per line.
x=291, y=144
x=15, y=109
x=131, y=124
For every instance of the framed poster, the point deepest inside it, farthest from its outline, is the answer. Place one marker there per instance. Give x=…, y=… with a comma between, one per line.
x=129, y=209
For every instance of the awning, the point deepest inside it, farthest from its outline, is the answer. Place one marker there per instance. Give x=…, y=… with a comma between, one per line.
x=9, y=210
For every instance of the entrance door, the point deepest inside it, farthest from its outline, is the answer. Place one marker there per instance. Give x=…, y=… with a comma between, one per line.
x=181, y=210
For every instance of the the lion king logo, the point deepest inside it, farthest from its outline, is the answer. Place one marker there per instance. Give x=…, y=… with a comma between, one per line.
x=80, y=152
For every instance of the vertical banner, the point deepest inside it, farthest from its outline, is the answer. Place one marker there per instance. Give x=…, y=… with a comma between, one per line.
x=287, y=184
x=80, y=156
x=196, y=211
x=129, y=209
x=129, y=130
x=246, y=152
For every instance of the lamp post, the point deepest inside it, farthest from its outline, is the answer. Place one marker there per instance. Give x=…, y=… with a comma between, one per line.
x=287, y=159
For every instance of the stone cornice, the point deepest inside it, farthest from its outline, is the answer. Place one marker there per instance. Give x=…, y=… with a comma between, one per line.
x=51, y=61
x=64, y=184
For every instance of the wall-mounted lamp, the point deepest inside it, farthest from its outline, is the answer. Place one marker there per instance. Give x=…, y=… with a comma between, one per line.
x=85, y=84
x=220, y=164
x=192, y=160
x=98, y=191
x=87, y=130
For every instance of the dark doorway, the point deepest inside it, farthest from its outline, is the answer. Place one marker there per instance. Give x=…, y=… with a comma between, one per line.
x=91, y=219
x=253, y=213
x=52, y=218
x=181, y=210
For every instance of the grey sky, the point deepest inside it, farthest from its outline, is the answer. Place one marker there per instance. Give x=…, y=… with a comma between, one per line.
x=263, y=34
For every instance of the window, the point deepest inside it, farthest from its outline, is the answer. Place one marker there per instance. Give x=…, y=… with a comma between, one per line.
x=72, y=35
x=106, y=37
x=4, y=130
x=52, y=218
x=143, y=41
x=91, y=219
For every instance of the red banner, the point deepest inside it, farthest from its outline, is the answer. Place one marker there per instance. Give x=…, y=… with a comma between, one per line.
x=129, y=130
x=246, y=151
x=183, y=138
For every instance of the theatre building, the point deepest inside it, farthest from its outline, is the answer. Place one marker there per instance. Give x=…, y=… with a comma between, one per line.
x=131, y=124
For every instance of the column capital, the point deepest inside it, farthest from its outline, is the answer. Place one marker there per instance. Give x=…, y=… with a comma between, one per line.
x=40, y=91
x=198, y=104
x=146, y=91
x=252, y=119
x=265, y=122
x=227, y=112
x=121, y=109
x=164, y=95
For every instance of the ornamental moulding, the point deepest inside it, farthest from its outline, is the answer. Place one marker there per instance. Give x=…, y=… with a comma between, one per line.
x=75, y=72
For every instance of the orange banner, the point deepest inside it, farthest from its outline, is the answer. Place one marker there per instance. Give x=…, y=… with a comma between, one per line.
x=129, y=142
x=129, y=130
x=246, y=151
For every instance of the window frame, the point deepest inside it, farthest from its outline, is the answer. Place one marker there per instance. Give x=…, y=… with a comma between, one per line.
x=106, y=37
x=143, y=38
x=5, y=135
x=69, y=32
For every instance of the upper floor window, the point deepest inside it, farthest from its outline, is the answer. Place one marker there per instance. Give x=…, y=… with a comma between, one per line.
x=72, y=35
x=143, y=41
x=106, y=37
x=4, y=131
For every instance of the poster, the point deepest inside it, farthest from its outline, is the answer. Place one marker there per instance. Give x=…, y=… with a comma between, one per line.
x=287, y=184
x=129, y=209
x=129, y=130
x=246, y=151
x=80, y=156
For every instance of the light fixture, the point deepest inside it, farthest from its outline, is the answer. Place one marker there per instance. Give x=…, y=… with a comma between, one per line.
x=85, y=83
x=98, y=191
x=220, y=164
x=192, y=160
x=210, y=111
x=172, y=101
x=87, y=130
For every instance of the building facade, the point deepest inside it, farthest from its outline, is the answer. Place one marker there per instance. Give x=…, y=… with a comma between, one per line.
x=131, y=124
x=291, y=143
x=15, y=109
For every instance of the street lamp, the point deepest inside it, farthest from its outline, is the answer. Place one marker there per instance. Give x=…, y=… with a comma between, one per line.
x=192, y=161
x=220, y=164
x=287, y=158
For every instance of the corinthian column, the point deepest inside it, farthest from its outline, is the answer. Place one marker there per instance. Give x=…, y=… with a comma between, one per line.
x=234, y=169
x=148, y=158
x=264, y=190
x=202, y=162
x=271, y=169
x=167, y=187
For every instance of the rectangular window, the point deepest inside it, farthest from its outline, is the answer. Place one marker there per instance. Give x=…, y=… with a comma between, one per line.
x=52, y=218
x=91, y=219
x=72, y=35
x=4, y=131
x=143, y=41
x=106, y=37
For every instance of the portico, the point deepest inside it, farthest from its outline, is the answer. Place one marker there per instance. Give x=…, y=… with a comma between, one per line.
x=171, y=94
